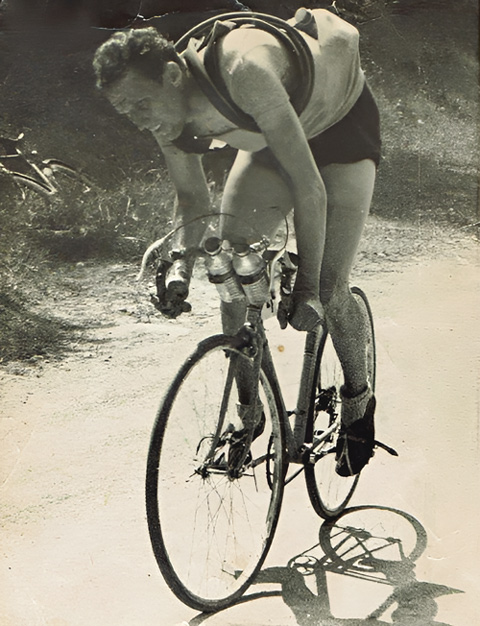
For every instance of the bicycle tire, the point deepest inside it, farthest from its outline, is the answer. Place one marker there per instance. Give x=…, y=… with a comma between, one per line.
x=330, y=493
x=208, y=551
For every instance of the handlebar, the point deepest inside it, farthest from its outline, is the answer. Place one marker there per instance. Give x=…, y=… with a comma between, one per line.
x=281, y=265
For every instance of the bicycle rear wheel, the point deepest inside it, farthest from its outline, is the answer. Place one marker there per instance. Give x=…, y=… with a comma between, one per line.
x=210, y=528
x=329, y=492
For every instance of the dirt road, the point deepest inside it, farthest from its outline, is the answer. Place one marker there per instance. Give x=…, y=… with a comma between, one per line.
x=75, y=433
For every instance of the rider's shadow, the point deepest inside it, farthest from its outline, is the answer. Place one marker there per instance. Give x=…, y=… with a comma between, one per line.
x=414, y=600
x=359, y=551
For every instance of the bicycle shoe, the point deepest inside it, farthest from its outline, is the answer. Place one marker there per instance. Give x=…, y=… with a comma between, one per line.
x=239, y=440
x=172, y=283
x=356, y=442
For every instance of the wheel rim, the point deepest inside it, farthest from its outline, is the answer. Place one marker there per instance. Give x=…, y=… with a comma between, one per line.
x=210, y=531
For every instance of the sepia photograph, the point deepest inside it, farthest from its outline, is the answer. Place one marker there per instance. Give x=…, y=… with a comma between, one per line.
x=239, y=312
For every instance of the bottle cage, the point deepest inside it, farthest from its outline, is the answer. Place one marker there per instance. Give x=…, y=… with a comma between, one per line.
x=207, y=73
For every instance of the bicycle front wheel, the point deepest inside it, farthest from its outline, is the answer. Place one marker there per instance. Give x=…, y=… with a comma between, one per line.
x=329, y=492
x=211, y=527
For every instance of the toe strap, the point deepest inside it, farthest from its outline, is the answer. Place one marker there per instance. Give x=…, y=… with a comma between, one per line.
x=384, y=446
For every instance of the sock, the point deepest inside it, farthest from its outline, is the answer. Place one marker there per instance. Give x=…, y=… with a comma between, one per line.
x=354, y=408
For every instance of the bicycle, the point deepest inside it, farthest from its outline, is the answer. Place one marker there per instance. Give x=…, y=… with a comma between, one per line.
x=211, y=511
x=44, y=176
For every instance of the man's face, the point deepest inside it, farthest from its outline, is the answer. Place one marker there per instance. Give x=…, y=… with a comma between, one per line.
x=159, y=108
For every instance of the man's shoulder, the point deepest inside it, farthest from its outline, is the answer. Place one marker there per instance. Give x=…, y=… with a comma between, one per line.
x=241, y=41
x=248, y=52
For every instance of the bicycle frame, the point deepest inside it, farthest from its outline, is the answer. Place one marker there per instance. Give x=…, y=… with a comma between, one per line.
x=224, y=468
x=254, y=339
x=23, y=170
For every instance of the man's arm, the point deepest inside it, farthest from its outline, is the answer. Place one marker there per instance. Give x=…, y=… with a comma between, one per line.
x=192, y=203
x=259, y=91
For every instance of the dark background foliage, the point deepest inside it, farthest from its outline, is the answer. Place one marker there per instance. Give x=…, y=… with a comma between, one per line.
x=420, y=56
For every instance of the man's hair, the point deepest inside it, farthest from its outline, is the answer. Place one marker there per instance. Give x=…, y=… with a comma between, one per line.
x=143, y=49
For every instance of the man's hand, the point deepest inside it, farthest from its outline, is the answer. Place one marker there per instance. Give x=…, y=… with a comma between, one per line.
x=302, y=311
x=170, y=299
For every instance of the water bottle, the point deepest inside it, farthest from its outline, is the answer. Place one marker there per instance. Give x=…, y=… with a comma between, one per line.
x=220, y=271
x=250, y=268
x=304, y=20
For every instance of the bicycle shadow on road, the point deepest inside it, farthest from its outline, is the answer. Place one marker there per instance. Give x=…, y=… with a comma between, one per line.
x=373, y=544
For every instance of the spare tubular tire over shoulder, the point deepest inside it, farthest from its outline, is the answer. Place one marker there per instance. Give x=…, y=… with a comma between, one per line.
x=207, y=72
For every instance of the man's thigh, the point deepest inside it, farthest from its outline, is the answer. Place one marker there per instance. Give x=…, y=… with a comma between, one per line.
x=255, y=200
x=349, y=195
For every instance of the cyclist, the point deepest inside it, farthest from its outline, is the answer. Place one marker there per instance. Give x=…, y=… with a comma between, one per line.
x=320, y=161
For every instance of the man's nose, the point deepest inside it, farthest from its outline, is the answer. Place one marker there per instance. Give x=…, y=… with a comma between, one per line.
x=137, y=118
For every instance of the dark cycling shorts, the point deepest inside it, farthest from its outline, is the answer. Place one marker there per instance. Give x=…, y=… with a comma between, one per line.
x=353, y=138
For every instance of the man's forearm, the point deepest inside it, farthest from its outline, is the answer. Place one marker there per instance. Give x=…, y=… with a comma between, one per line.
x=190, y=220
x=310, y=224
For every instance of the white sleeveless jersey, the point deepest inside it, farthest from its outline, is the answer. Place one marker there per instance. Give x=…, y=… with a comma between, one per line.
x=339, y=79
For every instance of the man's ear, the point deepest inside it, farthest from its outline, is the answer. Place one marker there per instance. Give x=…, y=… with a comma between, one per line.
x=172, y=72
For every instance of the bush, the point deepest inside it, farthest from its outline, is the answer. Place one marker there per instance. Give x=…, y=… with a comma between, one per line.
x=78, y=222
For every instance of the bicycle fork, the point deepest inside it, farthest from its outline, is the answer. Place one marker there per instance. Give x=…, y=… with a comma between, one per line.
x=228, y=449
